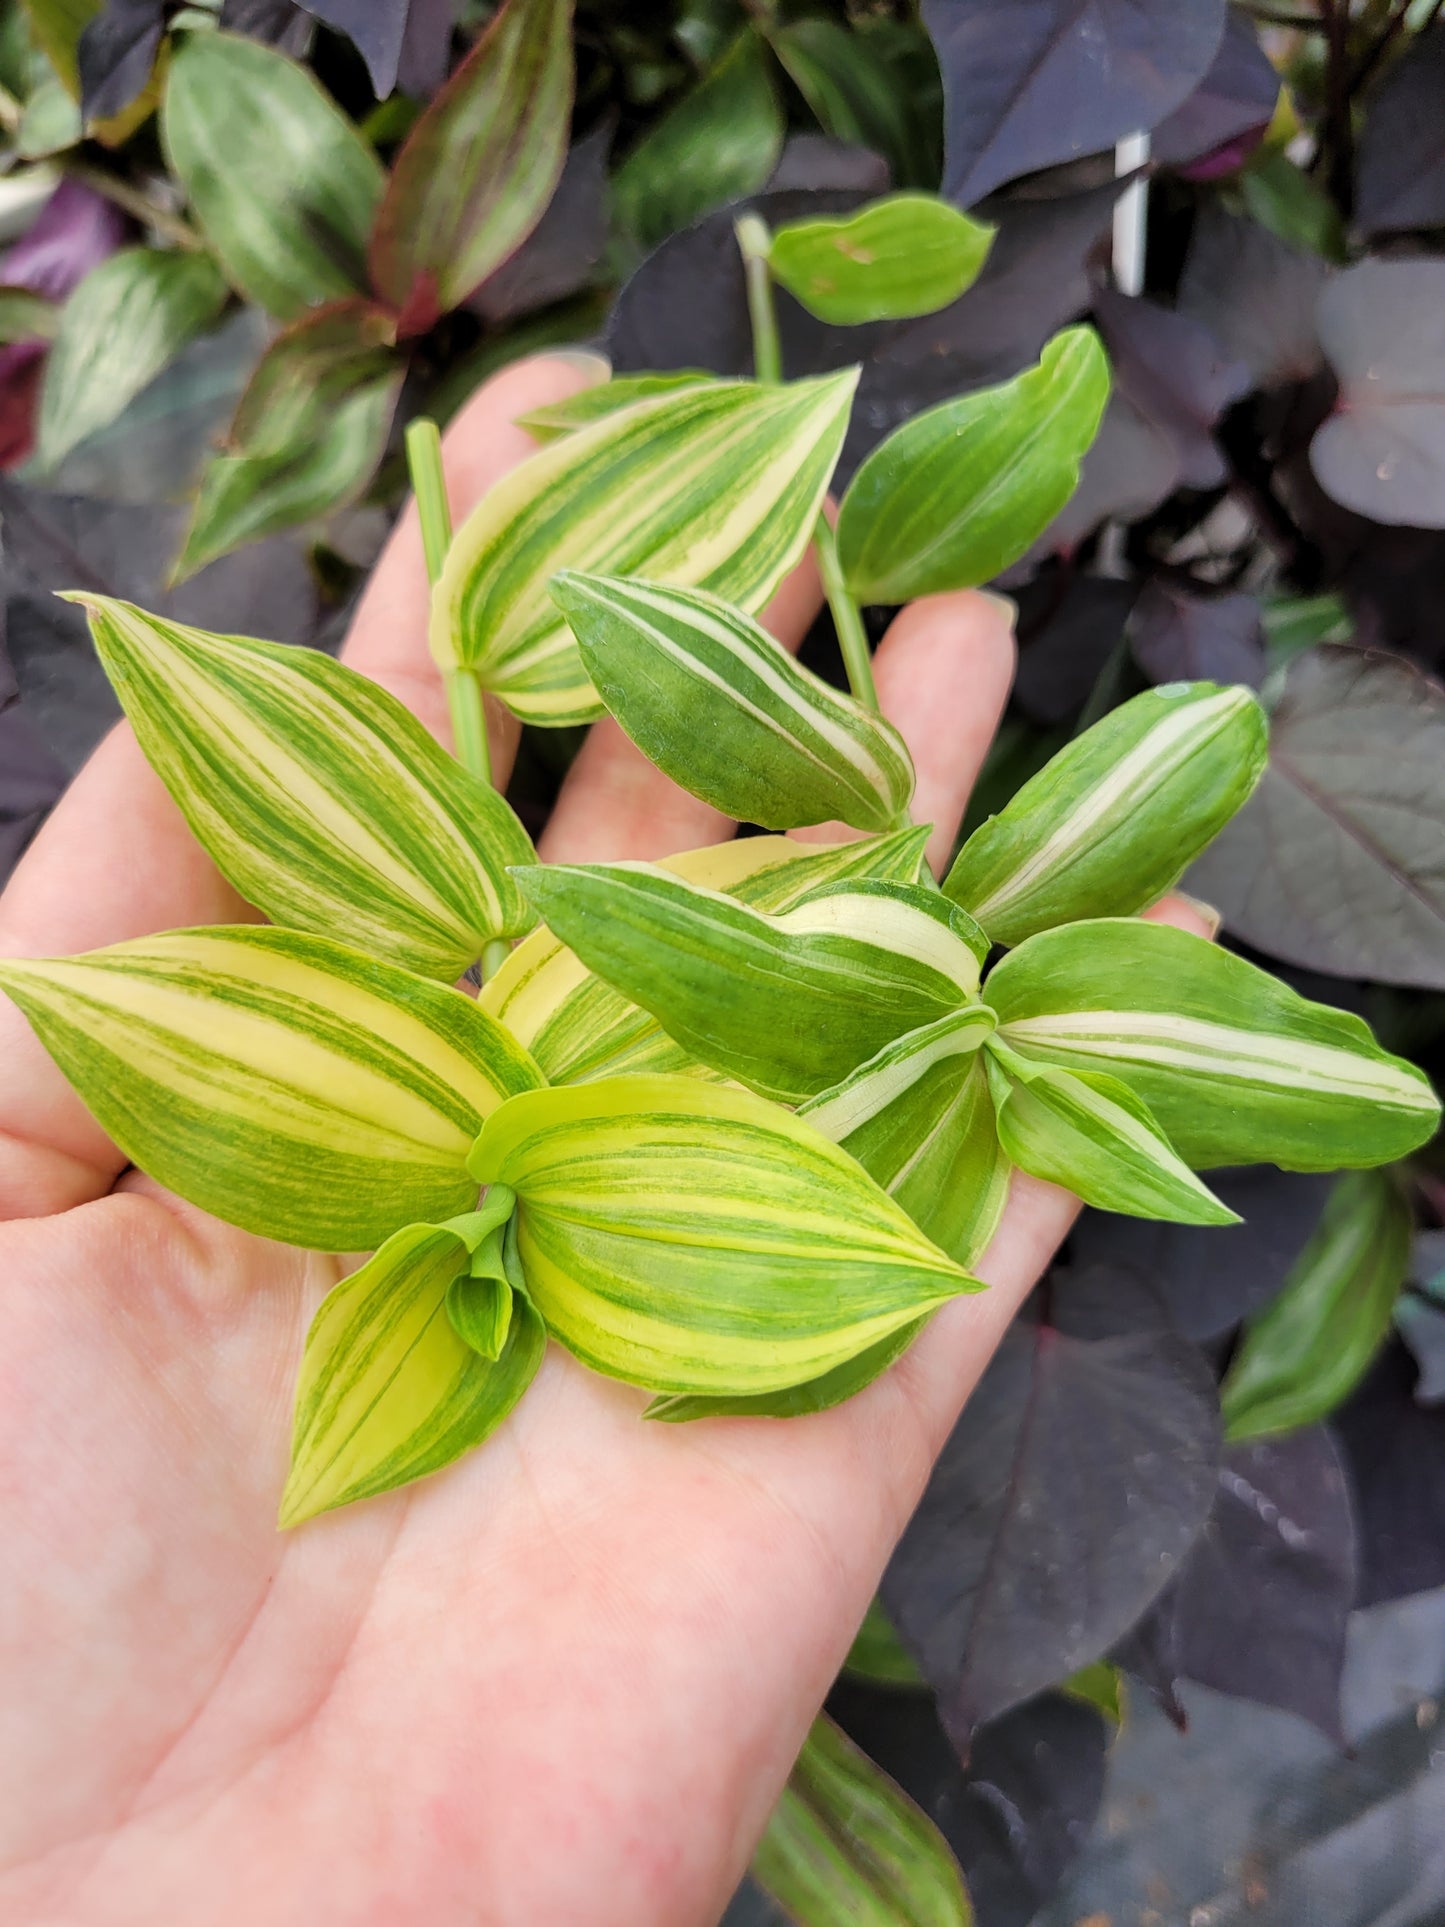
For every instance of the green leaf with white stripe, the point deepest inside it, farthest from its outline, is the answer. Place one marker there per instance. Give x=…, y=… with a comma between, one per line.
x=919, y=1118
x=722, y=708
x=577, y=1027
x=283, y=1082
x=1088, y=1132
x=845, y=1843
x=591, y=405
x=1234, y=1066
x=905, y=255
x=389, y=1391
x=692, y=1238
x=715, y=488
x=786, y=1004
x=1115, y=819
x=317, y=793
x=1304, y=1354
x=961, y=491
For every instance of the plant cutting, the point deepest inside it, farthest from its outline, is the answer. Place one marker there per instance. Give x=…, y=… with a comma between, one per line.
x=732, y=1128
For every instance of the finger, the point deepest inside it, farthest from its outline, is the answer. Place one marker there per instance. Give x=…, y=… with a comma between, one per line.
x=616, y=805
x=117, y=859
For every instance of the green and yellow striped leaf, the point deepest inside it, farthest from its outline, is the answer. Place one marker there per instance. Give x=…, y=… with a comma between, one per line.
x=317, y=793
x=722, y=708
x=284, y=1082
x=786, y=1004
x=1234, y=1066
x=590, y=405
x=389, y=1391
x=846, y=1844
x=905, y=255
x=715, y=488
x=577, y=1027
x=1117, y=817
x=1305, y=1352
x=961, y=491
x=692, y=1238
x=919, y=1118
x=1089, y=1133
x=836, y=1387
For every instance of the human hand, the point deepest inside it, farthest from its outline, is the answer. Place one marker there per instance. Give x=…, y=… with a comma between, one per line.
x=562, y=1681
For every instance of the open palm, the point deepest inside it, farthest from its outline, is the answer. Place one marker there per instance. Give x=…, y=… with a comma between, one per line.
x=562, y=1681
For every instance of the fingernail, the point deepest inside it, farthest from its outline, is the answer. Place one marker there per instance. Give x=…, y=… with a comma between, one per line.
x=1205, y=911
x=1005, y=605
x=593, y=367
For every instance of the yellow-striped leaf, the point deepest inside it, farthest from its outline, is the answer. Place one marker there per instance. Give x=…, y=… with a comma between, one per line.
x=919, y=1118
x=715, y=488
x=691, y=1238
x=836, y=1387
x=389, y=1390
x=1117, y=817
x=1234, y=1066
x=786, y=1004
x=845, y=1843
x=1088, y=1132
x=284, y=1082
x=577, y=1027
x=908, y=254
x=722, y=708
x=318, y=794
x=590, y=405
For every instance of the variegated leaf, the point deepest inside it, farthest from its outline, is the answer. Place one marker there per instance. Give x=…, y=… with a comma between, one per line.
x=389, y=1391
x=284, y=1082
x=716, y=488
x=722, y=708
x=691, y=1238
x=919, y=1118
x=1117, y=817
x=905, y=255
x=836, y=1387
x=590, y=405
x=786, y=1004
x=1234, y=1066
x=578, y=1027
x=1088, y=1132
x=317, y=793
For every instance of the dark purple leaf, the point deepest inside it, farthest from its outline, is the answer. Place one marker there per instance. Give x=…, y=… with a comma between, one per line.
x=1256, y=296
x=1018, y=1815
x=1394, y=1452
x=1420, y=1322
x=1401, y=181
x=561, y=254
x=1382, y=452
x=31, y=779
x=116, y=53
x=1171, y=368
x=1260, y=1606
x=1030, y=83
x=817, y=161
x=76, y=229
x=406, y=41
x=1334, y=863
x=1069, y=1491
x=1212, y=1276
x=277, y=22
x=1218, y=126
x=1069, y=627
x=1178, y=636
x=1133, y=466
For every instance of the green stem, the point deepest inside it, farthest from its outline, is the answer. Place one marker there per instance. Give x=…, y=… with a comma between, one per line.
x=847, y=618
x=464, y=692
x=756, y=243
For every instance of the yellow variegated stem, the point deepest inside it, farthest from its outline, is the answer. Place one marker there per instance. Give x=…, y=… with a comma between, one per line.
x=691, y=1238
x=464, y=692
x=289, y=1085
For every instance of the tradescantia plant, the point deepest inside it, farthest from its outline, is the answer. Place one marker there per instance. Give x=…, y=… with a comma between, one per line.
x=733, y=1127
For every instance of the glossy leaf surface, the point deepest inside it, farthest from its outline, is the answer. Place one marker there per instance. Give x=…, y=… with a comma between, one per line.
x=961, y=491
x=283, y=185
x=283, y=1082
x=714, y=488
x=723, y=709
x=318, y=793
x=1235, y=1067
x=689, y=1238
x=1114, y=820
x=906, y=255
x=478, y=169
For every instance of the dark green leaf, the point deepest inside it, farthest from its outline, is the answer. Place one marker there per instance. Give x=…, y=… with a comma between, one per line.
x=857, y=95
